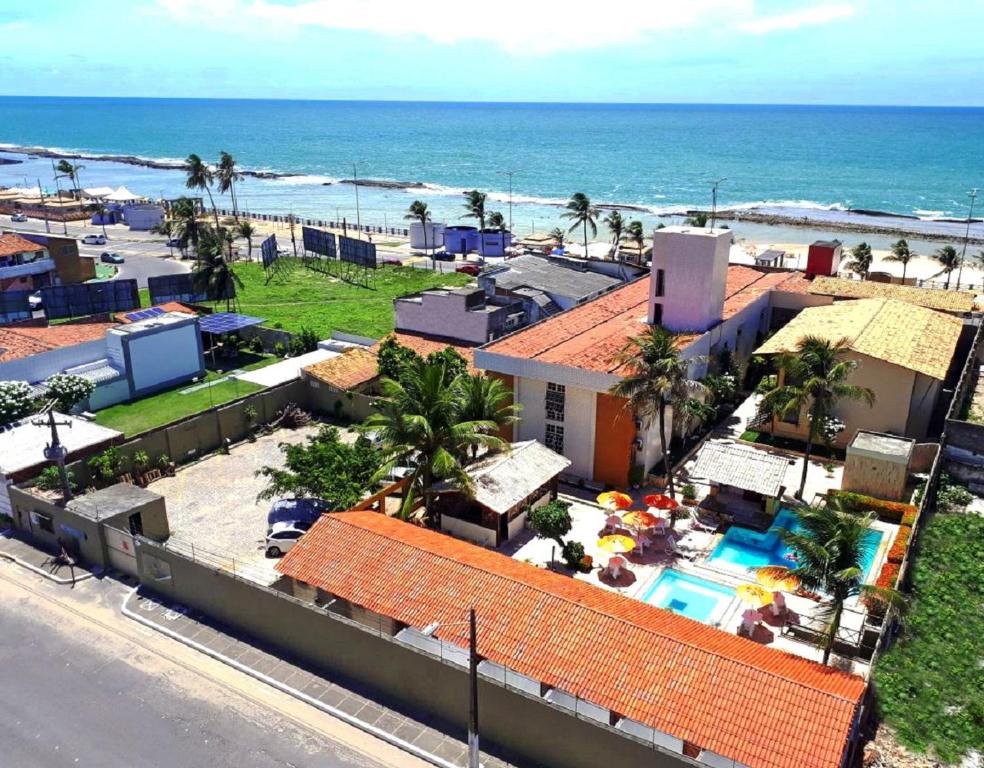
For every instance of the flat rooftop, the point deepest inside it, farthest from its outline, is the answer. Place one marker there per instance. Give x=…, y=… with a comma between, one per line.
x=556, y=276
x=879, y=443
x=22, y=444
x=151, y=323
x=111, y=501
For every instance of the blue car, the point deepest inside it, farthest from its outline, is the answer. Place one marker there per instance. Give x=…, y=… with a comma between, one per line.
x=298, y=511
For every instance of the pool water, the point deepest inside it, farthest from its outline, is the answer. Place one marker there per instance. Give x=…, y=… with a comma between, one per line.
x=690, y=596
x=752, y=549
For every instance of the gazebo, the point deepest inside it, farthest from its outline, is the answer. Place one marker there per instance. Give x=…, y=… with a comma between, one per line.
x=123, y=195
x=744, y=482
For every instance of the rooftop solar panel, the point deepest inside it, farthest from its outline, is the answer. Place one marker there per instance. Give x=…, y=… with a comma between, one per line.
x=227, y=322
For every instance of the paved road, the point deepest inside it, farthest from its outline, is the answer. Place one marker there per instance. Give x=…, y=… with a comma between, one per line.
x=74, y=694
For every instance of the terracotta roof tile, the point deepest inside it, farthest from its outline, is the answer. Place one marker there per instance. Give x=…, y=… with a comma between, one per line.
x=761, y=707
x=11, y=244
x=353, y=368
x=24, y=340
x=931, y=298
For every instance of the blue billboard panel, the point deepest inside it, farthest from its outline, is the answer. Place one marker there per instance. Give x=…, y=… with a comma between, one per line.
x=268, y=251
x=358, y=252
x=90, y=298
x=318, y=241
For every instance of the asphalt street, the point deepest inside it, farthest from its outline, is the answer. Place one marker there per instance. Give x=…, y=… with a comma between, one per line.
x=73, y=694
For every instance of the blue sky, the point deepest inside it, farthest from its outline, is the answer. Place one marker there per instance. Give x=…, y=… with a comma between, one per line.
x=728, y=51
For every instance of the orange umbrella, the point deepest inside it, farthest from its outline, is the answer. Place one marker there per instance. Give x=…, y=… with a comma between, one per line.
x=777, y=577
x=640, y=519
x=754, y=595
x=660, y=501
x=617, y=544
x=614, y=500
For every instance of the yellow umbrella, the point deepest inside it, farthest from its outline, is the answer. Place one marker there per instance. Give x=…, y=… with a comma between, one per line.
x=614, y=500
x=754, y=594
x=777, y=577
x=617, y=544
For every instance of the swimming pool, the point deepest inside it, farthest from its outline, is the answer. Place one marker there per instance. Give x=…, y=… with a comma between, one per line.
x=690, y=596
x=745, y=548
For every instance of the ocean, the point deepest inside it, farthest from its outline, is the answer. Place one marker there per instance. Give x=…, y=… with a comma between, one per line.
x=811, y=161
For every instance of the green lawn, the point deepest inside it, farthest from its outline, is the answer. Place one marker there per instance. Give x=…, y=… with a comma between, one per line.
x=930, y=685
x=171, y=405
x=298, y=297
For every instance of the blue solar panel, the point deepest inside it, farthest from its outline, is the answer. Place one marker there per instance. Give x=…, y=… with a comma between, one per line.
x=227, y=322
x=145, y=314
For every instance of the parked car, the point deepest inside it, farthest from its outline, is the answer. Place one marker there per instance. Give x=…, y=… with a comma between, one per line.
x=470, y=269
x=111, y=258
x=281, y=537
x=18, y=217
x=298, y=510
x=94, y=240
x=443, y=256
x=35, y=301
x=392, y=263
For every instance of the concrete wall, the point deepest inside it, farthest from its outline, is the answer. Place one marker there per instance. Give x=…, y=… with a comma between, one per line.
x=579, y=422
x=350, y=406
x=41, y=366
x=444, y=315
x=68, y=527
x=171, y=355
x=694, y=263
x=530, y=729
x=484, y=537
x=880, y=478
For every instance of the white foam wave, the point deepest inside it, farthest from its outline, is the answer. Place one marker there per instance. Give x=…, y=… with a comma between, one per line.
x=307, y=178
x=924, y=214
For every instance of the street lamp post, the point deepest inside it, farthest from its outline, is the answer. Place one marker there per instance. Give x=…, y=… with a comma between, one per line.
x=358, y=216
x=714, y=199
x=510, y=175
x=970, y=215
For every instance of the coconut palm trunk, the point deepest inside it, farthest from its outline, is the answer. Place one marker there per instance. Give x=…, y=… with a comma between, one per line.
x=665, y=448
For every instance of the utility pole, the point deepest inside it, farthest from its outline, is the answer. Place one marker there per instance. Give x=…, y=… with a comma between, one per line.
x=58, y=187
x=47, y=226
x=358, y=216
x=473, y=692
x=510, y=175
x=293, y=240
x=970, y=214
x=55, y=451
x=714, y=199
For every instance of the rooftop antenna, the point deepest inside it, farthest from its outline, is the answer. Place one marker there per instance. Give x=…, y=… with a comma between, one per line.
x=970, y=215
x=55, y=451
x=714, y=198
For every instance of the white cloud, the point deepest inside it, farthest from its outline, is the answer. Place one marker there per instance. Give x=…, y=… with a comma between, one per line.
x=817, y=14
x=531, y=26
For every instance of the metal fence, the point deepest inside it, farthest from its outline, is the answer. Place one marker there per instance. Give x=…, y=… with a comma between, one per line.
x=284, y=218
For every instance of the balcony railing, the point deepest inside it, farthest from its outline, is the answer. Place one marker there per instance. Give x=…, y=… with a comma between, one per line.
x=39, y=267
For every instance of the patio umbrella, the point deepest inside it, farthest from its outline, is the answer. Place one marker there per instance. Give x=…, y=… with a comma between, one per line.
x=614, y=500
x=617, y=544
x=660, y=501
x=637, y=518
x=777, y=577
x=753, y=594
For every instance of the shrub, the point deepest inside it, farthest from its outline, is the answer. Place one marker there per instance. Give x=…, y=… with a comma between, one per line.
x=16, y=401
x=888, y=576
x=50, y=480
x=901, y=544
x=163, y=461
x=909, y=517
x=68, y=390
x=887, y=511
x=573, y=554
x=279, y=349
x=106, y=465
x=689, y=492
x=766, y=384
x=308, y=339
x=551, y=521
x=951, y=496
x=256, y=345
x=141, y=461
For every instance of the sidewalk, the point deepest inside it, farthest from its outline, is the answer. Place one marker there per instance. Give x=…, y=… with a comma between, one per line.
x=418, y=736
x=41, y=562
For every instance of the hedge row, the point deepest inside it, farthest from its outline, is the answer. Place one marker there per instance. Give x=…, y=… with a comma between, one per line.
x=902, y=540
x=894, y=512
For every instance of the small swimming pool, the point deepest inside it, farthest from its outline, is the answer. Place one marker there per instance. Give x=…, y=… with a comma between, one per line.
x=690, y=596
x=746, y=548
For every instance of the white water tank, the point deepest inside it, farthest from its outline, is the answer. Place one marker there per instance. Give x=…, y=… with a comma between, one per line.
x=434, y=232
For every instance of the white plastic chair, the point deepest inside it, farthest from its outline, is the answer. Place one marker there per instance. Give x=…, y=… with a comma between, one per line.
x=749, y=619
x=612, y=523
x=778, y=605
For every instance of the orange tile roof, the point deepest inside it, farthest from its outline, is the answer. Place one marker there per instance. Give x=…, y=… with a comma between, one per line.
x=19, y=341
x=11, y=244
x=425, y=345
x=590, y=336
x=759, y=706
x=353, y=368
x=168, y=306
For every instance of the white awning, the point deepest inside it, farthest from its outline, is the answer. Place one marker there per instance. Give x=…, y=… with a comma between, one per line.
x=123, y=195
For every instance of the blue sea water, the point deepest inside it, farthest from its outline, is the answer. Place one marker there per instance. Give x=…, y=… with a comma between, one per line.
x=910, y=161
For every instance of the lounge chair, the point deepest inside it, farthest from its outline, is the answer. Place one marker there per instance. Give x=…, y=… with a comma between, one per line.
x=706, y=525
x=673, y=549
x=749, y=620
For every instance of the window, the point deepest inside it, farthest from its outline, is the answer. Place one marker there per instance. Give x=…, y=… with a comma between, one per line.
x=553, y=438
x=555, y=402
x=657, y=314
x=43, y=521
x=660, y=282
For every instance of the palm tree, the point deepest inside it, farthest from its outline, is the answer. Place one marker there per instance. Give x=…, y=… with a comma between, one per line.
x=831, y=545
x=228, y=175
x=583, y=214
x=861, y=258
x=497, y=221
x=184, y=218
x=213, y=275
x=71, y=171
x=901, y=254
x=637, y=235
x=657, y=378
x=949, y=259
x=421, y=424
x=616, y=225
x=559, y=236
x=101, y=211
x=166, y=228
x=814, y=377
x=475, y=206
x=200, y=177
x=247, y=230
x=488, y=399
x=418, y=212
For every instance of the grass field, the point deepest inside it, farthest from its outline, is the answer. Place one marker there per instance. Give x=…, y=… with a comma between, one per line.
x=173, y=404
x=299, y=297
x=929, y=685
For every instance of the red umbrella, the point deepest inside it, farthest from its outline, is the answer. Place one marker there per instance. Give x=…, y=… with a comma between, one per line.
x=660, y=501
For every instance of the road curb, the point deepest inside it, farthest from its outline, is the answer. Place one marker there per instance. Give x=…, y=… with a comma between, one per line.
x=372, y=730
x=41, y=572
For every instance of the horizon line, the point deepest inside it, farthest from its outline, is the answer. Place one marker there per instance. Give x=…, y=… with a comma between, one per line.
x=516, y=102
